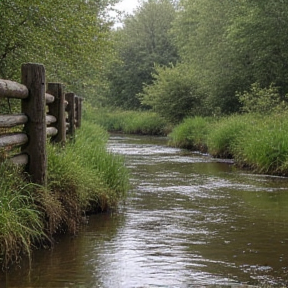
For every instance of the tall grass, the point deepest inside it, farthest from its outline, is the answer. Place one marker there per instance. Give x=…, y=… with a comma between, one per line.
x=264, y=146
x=254, y=141
x=130, y=122
x=20, y=221
x=191, y=134
x=224, y=133
x=82, y=177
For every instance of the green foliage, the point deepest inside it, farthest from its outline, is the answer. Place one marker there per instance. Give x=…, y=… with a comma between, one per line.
x=133, y=122
x=143, y=41
x=191, y=134
x=20, y=221
x=261, y=100
x=173, y=94
x=69, y=37
x=258, y=40
x=97, y=178
x=200, y=35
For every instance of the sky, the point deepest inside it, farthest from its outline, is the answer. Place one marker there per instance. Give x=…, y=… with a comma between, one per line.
x=127, y=5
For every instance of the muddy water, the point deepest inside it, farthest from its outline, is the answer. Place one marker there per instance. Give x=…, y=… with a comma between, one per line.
x=189, y=221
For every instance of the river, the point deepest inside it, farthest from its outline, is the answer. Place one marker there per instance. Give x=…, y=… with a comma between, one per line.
x=189, y=221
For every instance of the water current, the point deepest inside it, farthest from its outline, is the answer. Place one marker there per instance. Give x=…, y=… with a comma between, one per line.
x=189, y=221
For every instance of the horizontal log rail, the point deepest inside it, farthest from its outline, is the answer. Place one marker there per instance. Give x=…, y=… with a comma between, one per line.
x=14, y=139
x=49, y=98
x=51, y=131
x=12, y=120
x=11, y=89
x=20, y=159
x=50, y=119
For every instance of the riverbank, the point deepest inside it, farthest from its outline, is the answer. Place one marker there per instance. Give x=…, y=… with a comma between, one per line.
x=254, y=141
x=82, y=177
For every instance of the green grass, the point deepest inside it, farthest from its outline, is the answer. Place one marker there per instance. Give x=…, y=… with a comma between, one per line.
x=254, y=141
x=82, y=177
x=264, y=146
x=224, y=133
x=20, y=221
x=129, y=122
x=191, y=134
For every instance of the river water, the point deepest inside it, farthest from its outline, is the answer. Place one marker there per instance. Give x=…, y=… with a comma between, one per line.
x=189, y=221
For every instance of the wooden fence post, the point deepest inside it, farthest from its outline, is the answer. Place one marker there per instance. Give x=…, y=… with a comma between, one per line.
x=33, y=77
x=57, y=109
x=78, y=111
x=70, y=98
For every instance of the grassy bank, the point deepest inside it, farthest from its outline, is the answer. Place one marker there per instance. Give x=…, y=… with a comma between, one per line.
x=82, y=177
x=257, y=142
x=128, y=122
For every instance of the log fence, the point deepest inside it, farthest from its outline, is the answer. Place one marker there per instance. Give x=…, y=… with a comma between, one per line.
x=46, y=112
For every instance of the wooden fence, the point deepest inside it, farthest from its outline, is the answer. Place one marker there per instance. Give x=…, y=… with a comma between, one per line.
x=45, y=112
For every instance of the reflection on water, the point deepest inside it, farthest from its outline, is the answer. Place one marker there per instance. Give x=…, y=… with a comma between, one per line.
x=190, y=221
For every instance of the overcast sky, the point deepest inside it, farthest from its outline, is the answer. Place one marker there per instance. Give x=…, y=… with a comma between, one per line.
x=127, y=5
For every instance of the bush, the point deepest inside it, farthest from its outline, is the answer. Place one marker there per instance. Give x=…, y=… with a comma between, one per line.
x=261, y=100
x=173, y=94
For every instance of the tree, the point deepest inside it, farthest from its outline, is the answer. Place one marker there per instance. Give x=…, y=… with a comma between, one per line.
x=143, y=41
x=69, y=37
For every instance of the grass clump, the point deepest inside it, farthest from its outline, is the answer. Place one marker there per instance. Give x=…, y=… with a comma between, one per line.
x=264, y=146
x=83, y=176
x=130, y=122
x=224, y=133
x=191, y=134
x=20, y=221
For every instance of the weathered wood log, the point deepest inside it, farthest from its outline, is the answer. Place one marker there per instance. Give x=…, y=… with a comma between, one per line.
x=50, y=119
x=33, y=77
x=11, y=89
x=12, y=120
x=49, y=98
x=70, y=97
x=57, y=109
x=13, y=139
x=79, y=112
x=51, y=131
x=20, y=159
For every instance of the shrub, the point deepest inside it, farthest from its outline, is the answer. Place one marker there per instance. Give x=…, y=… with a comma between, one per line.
x=261, y=100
